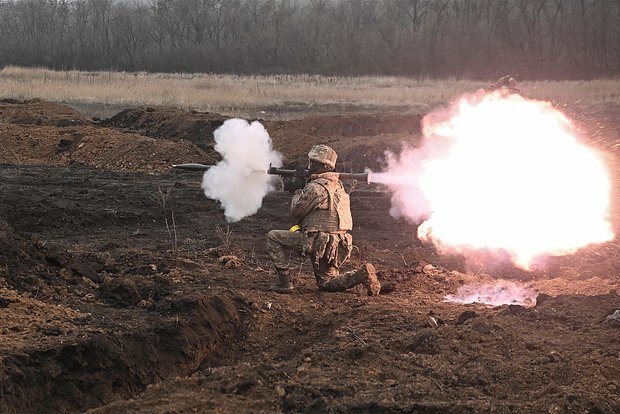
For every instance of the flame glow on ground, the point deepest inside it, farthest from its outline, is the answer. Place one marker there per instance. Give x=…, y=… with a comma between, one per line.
x=499, y=293
x=502, y=173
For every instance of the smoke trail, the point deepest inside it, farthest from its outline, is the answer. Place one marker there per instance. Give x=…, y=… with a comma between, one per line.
x=239, y=182
x=403, y=171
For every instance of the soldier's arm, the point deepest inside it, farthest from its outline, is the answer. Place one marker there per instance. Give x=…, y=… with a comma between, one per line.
x=306, y=200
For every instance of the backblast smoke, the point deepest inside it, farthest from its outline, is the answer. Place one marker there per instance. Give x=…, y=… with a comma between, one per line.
x=501, y=174
x=240, y=182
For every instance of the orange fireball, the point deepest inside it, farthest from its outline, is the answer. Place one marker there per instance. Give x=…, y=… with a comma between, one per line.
x=503, y=173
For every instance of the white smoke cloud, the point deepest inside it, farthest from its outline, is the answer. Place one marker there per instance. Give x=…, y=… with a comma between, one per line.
x=240, y=182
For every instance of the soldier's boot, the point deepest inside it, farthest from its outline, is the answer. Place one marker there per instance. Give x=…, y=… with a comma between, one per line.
x=284, y=283
x=366, y=275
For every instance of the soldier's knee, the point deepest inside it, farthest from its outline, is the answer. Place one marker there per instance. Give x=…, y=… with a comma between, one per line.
x=273, y=236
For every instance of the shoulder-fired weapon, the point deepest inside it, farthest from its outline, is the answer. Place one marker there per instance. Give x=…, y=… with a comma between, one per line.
x=297, y=173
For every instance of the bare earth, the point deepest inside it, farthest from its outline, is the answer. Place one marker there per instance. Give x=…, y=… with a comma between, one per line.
x=123, y=290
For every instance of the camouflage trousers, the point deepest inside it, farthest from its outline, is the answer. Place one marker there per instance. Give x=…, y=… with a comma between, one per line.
x=327, y=252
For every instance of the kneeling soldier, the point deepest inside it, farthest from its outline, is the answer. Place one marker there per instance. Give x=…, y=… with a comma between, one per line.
x=323, y=212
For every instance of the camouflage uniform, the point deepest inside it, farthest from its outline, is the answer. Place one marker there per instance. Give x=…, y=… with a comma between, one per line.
x=506, y=85
x=323, y=211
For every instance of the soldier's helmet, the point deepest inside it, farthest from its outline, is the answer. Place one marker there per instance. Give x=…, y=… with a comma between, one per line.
x=506, y=83
x=323, y=154
x=512, y=84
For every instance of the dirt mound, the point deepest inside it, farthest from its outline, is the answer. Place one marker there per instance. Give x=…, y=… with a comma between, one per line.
x=33, y=268
x=95, y=147
x=112, y=150
x=56, y=141
x=150, y=139
x=29, y=266
x=103, y=363
x=38, y=112
x=171, y=123
x=359, y=139
x=56, y=354
x=384, y=356
x=347, y=125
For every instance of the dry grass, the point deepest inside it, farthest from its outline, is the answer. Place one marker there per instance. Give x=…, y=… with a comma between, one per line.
x=231, y=93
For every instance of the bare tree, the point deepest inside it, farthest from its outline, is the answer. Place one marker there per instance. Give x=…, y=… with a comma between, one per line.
x=472, y=38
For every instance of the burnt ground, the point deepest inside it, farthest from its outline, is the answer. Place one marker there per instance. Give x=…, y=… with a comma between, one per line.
x=122, y=288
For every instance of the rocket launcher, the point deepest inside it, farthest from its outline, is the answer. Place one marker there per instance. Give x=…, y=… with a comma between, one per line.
x=298, y=173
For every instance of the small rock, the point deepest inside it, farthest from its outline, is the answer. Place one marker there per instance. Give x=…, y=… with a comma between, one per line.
x=555, y=408
x=89, y=283
x=230, y=261
x=482, y=327
x=465, y=316
x=614, y=318
x=387, y=287
x=58, y=257
x=303, y=367
x=65, y=273
x=541, y=298
x=516, y=309
x=89, y=297
x=425, y=342
x=52, y=331
x=554, y=356
x=432, y=322
x=551, y=388
x=280, y=391
x=121, y=291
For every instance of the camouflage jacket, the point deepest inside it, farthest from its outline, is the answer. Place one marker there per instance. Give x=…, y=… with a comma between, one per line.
x=323, y=205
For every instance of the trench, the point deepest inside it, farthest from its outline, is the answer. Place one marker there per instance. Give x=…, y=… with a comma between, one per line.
x=96, y=109
x=104, y=367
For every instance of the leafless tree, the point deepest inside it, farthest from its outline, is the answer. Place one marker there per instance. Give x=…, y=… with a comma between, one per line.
x=535, y=39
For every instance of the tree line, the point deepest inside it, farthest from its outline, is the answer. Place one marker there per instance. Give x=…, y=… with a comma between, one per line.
x=534, y=39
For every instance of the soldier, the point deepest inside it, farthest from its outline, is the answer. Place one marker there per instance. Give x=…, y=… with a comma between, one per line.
x=324, y=217
x=506, y=84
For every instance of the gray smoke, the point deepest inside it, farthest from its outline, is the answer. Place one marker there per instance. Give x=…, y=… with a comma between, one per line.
x=240, y=181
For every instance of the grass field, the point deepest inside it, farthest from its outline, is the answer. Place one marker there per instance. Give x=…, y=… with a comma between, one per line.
x=239, y=94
